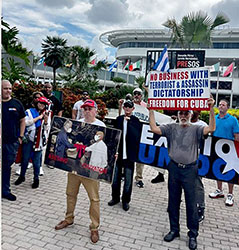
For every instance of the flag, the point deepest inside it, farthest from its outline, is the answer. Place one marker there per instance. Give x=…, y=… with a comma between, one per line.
x=215, y=67
x=93, y=62
x=41, y=60
x=126, y=65
x=162, y=64
x=229, y=69
x=113, y=65
x=135, y=65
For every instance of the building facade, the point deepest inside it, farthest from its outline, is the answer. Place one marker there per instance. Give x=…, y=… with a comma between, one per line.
x=133, y=44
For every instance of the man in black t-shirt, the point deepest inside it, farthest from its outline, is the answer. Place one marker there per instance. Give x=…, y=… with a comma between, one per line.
x=56, y=104
x=13, y=127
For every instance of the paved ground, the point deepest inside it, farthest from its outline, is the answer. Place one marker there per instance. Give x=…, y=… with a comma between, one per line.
x=29, y=222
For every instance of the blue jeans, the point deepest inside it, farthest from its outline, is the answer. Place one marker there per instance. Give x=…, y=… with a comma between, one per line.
x=183, y=178
x=128, y=167
x=27, y=154
x=9, y=153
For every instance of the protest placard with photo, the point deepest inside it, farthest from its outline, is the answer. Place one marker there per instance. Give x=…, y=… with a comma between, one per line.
x=81, y=148
x=179, y=89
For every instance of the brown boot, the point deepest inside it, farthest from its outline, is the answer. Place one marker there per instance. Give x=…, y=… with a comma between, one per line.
x=94, y=236
x=62, y=225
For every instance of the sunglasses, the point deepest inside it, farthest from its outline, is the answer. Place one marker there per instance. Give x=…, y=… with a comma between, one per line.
x=183, y=113
x=127, y=105
x=88, y=108
x=137, y=93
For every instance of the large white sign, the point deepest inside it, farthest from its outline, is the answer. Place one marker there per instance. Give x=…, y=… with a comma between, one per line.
x=179, y=89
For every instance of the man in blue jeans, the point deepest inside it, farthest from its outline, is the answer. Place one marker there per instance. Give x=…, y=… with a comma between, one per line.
x=130, y=137
x=13, y=126
x=183, y=143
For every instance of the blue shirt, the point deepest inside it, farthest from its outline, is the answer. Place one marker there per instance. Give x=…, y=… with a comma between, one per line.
x=226, y=127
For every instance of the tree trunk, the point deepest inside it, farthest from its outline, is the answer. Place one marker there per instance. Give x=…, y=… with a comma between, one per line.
x=54, y=79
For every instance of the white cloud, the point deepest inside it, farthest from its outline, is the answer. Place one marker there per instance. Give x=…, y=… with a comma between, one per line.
x=56, y=4
x=81, y=22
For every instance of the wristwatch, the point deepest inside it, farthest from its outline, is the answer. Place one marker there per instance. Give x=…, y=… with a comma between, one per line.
x=21, y=137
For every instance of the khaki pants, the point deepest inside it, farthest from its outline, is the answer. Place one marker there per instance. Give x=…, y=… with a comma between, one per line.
x=92, y=189
x=139, y=171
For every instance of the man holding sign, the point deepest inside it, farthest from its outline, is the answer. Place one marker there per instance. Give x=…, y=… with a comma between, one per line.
x=183, y=142
x=92, y=186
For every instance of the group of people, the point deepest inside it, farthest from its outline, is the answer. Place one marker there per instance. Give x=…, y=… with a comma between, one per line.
x=28, y=129
x=184, y=138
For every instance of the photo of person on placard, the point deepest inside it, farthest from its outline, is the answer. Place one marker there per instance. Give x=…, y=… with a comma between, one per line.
x=62, y=142
x=98, y=159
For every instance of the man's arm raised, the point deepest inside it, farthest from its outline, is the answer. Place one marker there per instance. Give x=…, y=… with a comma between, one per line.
x=212, y=123
x=154, y=128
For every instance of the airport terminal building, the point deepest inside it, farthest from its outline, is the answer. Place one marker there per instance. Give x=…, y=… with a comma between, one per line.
x=133, y=44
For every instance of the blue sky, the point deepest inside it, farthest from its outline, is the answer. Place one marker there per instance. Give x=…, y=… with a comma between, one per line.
x=82, y=21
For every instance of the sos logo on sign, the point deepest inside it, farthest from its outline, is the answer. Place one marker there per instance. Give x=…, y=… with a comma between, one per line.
x=190, y=59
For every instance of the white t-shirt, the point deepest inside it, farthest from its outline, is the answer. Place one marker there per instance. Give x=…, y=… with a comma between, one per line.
x=124, y=139
x=96, y=122
x=77, y=107
x=200, y=122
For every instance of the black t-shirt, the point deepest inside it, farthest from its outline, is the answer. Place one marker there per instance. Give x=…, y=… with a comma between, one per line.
x=56, y=104
x=12, y=112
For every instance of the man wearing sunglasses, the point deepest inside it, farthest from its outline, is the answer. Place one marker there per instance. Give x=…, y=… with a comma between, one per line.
x=183, y=143
x=130, y=137
x=91, y=186
x=137, y=95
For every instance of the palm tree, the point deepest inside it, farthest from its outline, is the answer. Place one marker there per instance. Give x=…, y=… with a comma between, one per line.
x=80, y=58
x=14, y=71
x=12, y=45
x=195, y=29
x=54, y=51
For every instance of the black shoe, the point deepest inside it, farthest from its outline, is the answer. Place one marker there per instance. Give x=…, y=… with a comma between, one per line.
x=125, y=206
x=200, y=214
x=113, y=202
x=139, y=184
x=10, y=197
x=159, y=178
x=192, y=243
x=171, y=236
x=20, y=180
x=35, y=183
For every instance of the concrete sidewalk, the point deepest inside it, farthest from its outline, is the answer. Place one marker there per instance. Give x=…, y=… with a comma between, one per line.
x=28, y=223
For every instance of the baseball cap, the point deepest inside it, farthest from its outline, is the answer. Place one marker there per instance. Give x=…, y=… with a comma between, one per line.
x=128, y=104
x=137, y=90
x=43, y=99
x=89, y=103
x=85, y=93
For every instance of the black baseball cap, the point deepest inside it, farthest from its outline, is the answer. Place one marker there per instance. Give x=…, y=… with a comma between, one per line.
x=128, y=104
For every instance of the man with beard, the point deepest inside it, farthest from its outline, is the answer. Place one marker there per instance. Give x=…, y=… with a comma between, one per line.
x=183, y=143
x=56, y=106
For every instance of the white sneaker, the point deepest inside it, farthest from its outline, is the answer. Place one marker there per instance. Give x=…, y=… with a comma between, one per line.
x=29, y=165
x=230, y=200
x=18, y=171
x=41, y=171
x=217, y=194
